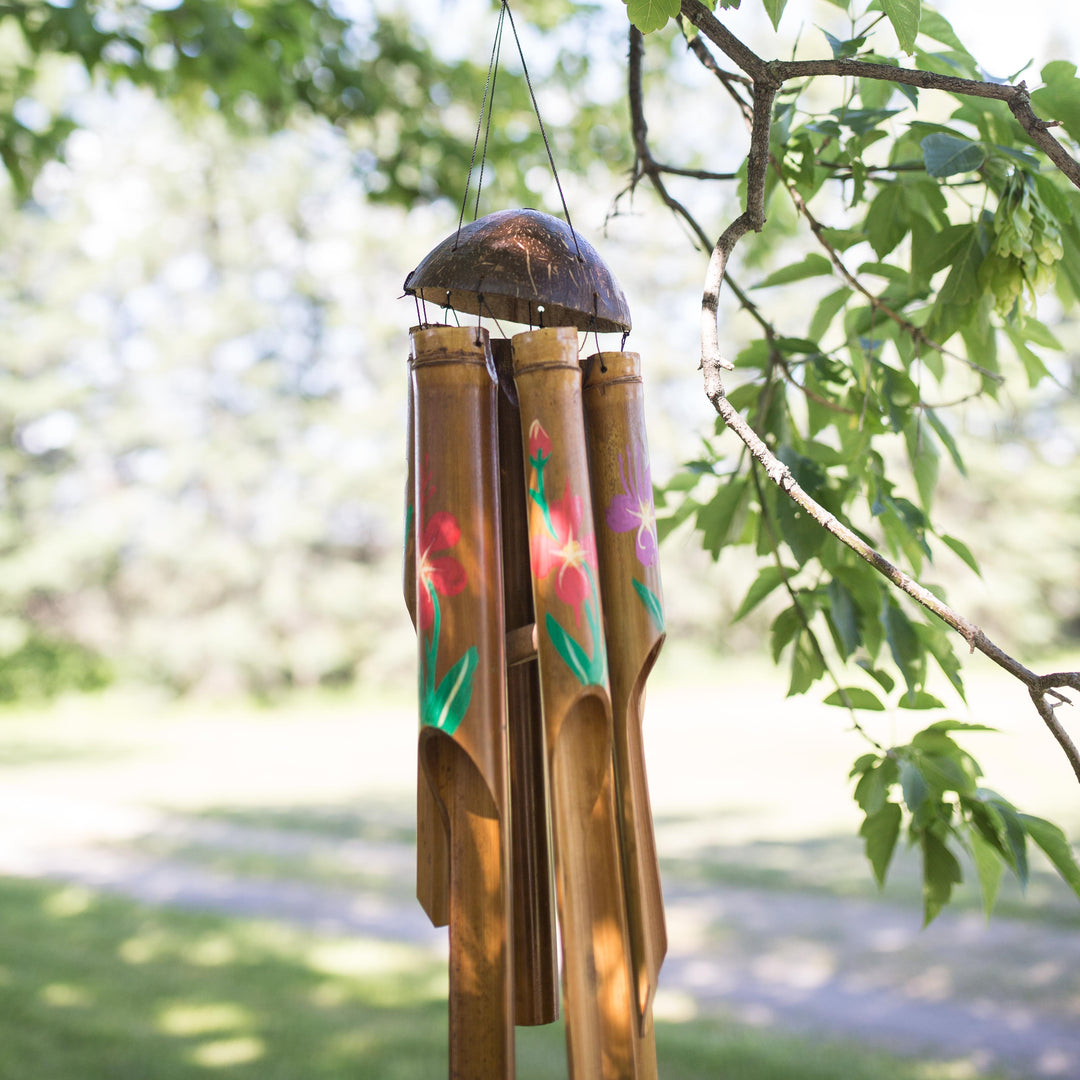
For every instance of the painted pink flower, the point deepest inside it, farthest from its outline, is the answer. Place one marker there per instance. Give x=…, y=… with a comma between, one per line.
x=568, y=554
x=539, y=444
x=442, y=574
x=633, y=507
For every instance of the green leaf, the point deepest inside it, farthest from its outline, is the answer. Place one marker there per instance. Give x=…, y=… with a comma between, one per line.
x=914, y=785
x=843, y=615
x=873, y=788
x=785, y=626
x=905, y=646
x=947, y=440
x=813, y=265
x=904, y=16
x=826, y=312
x=880, y=831
x=946, y=155
x=920, y=699
x=989, y=866
x=962, y=287
x=1052, y=840
x=887, y=219
x=774, y=9
x=766, y=581
x=807, y=665
x=962, y=550
x=941, y=872
x=855, y=697
x=1015, y=833
x=715, y=518
x=650, y=15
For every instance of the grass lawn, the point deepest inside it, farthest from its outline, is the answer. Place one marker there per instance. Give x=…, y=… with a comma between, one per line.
x=98, y=988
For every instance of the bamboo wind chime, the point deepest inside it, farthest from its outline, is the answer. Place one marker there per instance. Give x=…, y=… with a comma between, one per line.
x=532, y=579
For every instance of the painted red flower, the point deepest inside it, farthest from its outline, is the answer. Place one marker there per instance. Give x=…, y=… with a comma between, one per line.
x=442, y=574
x=567, y=553
x=539, y=444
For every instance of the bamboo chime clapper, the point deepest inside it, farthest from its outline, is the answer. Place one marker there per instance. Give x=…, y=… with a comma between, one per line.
x=532, y=579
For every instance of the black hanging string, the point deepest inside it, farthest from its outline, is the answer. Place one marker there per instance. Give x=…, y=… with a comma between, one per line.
x=486, y=109
x=485, y=106
x=543, y=133
x=596, y=333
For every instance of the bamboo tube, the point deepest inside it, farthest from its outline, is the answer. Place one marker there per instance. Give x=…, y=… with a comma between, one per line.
x=536, y=992
x=630, y=583
x=602, y=1032
x=432, y=836
x=463, y=748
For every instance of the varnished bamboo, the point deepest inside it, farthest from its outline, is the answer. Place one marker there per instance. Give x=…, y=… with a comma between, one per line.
x=536, y=977
x=630, y=583
x=432, y=835
x=461, y=631
x=603, y=1040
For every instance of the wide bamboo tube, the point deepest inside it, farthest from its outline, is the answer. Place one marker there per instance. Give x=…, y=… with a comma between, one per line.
x=432, y=830
x=536, y=974
x=463, y=746
x=601, y=1014
x=626, y=544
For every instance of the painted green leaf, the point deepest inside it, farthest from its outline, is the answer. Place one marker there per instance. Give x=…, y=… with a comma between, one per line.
x=880, y=831
x=650, y=15
x=576, y=657
x=774, y=9
x=651, y=602
x=947, y=155
x=904, y=16
x=1052, y=840
x=941, y=872
x=451, y=699
x=855, y=697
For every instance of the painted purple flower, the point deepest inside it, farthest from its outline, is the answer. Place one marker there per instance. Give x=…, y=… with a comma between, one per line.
x=633, y=507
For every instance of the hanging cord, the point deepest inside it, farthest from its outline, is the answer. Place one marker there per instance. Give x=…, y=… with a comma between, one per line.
x=596, y=334
x=543, y=133
x=485, y=107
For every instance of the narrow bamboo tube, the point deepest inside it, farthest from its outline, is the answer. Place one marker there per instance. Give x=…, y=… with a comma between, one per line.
x=630, y=582
x=463, y=746
x=601, y=1015
x=432, y=835
x=536, y=979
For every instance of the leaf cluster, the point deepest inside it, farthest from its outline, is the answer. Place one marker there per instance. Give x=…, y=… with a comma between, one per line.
x=929, y=788
x=263, y=65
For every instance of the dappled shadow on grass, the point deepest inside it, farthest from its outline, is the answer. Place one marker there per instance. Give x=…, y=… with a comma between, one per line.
x=95, y=988
x=92, y=988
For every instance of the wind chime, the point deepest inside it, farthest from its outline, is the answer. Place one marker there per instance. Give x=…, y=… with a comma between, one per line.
x=532, y=579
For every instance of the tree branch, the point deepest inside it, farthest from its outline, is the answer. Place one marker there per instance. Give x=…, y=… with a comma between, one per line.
x=767, y=79
x=776, y=72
